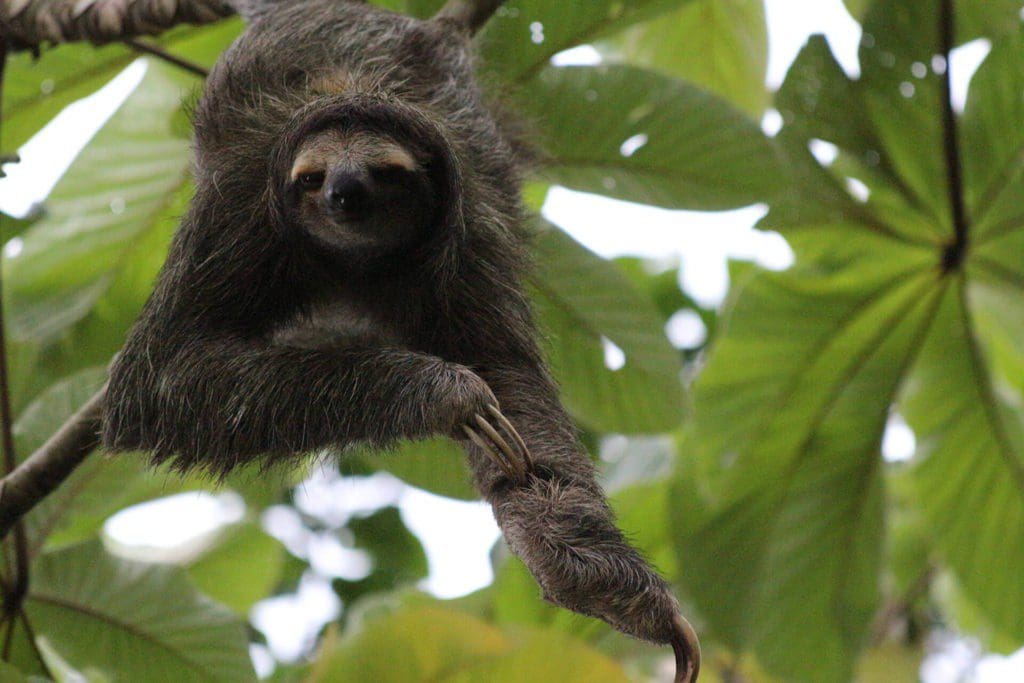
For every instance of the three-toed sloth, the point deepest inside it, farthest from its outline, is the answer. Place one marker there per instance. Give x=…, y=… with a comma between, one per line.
x=349, y=271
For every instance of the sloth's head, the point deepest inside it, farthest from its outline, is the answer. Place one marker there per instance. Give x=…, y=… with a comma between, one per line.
x=364, y=177
x=358, y=190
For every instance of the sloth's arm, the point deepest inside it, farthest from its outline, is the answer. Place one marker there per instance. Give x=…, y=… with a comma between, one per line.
x=558, y=522
x=216, y=404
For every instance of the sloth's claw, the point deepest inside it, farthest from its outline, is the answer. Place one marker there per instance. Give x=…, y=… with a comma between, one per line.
x=510, y=429
x=687, y=651
x=513, y=459
x=516, y=463
x=500, y=459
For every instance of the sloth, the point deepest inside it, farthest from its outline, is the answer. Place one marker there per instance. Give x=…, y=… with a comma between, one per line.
x=349, y=271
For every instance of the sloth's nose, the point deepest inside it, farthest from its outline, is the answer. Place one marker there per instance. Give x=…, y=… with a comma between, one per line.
x=348, y=194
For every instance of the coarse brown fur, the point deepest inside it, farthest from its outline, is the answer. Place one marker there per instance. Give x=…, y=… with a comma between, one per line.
x=262, y=340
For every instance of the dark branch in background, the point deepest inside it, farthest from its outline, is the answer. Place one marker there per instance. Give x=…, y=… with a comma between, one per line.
x=160, y=53
x=27, y=24
x=30, y=24
x=15, y=587
x=472, y=14
x=954, y=253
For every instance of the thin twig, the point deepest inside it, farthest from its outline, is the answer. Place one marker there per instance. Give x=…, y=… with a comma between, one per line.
x=955, y=252
x=170, y=58
x=5, y=652
x=31, y=632
x=48, y=467
x=471, y=14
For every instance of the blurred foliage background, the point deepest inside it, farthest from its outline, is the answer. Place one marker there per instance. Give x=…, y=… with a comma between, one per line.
x=749, y=468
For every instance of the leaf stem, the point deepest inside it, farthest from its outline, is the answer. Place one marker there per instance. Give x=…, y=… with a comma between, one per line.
x=170, y=58
x=953, y=255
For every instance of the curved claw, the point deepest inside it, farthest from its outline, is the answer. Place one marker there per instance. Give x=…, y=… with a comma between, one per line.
x=499, y=459
x=514, y=462
x=513, y=433
x=687, y=651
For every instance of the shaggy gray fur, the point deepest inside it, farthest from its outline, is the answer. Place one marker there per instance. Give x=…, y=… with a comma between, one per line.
x=220, y=369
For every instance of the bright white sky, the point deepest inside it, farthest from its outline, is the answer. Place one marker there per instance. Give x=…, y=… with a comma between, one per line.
x=458, y=536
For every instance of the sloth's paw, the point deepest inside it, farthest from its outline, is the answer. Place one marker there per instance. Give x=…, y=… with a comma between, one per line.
x=565, y=535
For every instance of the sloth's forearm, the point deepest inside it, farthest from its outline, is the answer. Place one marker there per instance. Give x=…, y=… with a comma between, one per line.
x=231, y=403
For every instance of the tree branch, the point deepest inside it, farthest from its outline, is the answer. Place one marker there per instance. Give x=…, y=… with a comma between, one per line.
x=29, y=24
x=471, y=14
x=45, y=470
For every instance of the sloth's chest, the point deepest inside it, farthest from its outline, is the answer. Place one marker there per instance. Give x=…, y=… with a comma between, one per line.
x=338, y=324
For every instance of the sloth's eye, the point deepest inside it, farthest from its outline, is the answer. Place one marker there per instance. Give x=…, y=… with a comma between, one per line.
x=310, y=182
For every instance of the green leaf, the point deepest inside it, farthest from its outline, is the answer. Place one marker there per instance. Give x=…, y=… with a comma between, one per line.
x=523, y=36
x=973, y=19
x=970, y=481
x=545, y=656
x=36, y=90
x=903, y=96
x=417, y=644
x=857, y=7
x=133, y=620
x=436, y=465
x=790, y=409
x=649, y=139
x=425, y=641
x=890, y=662
x=71, y=256
x=582, y=300
x=241, y=568
x=721, y=45
x=11, y=674
x=398, y=556
x=993, y=152
x=819, y=102
x=780, y=548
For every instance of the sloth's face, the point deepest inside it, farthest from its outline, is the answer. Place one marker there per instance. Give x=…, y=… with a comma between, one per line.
x=357, y=192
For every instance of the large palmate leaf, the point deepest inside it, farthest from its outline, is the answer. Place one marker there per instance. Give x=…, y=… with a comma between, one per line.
x=786, y=558
x=69, y=258
x=721, y=45
x=780, y=519
x=642, y=136
x=84, y=270
x=133, y=621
